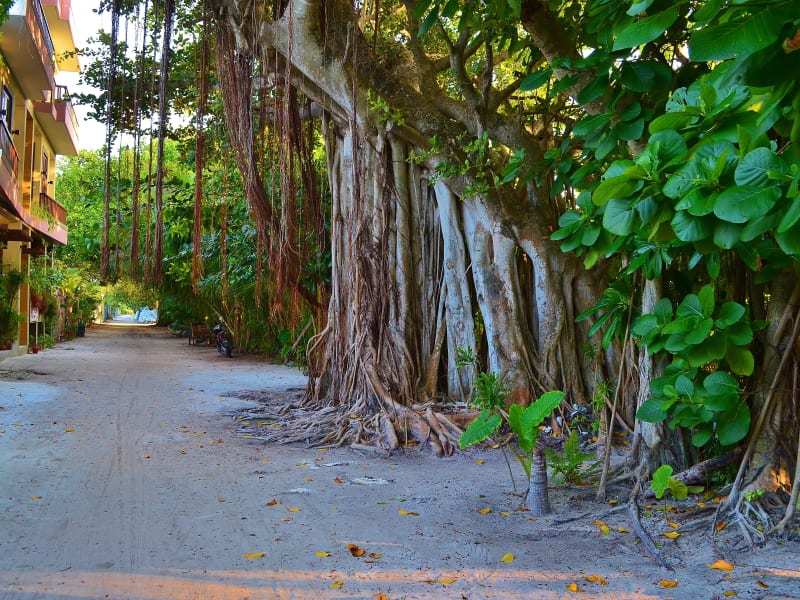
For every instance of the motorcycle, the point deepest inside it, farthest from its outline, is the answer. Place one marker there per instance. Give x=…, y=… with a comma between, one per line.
x=224, y=345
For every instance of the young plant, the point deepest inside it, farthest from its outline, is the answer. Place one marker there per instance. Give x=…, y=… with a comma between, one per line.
x=663, y=481
x=570, y=463
x=524, y=423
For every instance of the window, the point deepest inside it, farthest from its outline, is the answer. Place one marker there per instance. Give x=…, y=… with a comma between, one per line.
x=7, y=107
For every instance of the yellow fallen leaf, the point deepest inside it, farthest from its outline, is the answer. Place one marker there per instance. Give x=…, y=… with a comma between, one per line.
x=337, y=584
x=322, y=554
x=445, y=580
x=668, y=583
x=622, y=530
x=484, y=511
x=381, y=596
x=729, y=593
x=721, y=526
x=254, y=555
x=479, y=461
x=613, y=501
x=272, y=502
x=598, y=523
x=701, y=505
x=375, y=556
x=507, y=558
x=573, y=587
x=673, y=535
x=673, y=524
x=761, y=584
x=293, y=509
x=70, y=430
x=604, y=530
x=721, y=565
x=505, y=513
x=307, y=479
x=355, y=550
x=36, y=497
x=407, y=513
x=596, y=579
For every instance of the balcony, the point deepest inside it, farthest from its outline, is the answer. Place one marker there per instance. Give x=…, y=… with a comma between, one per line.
x=58, y=121
x=27, y=46
x=48, y=217
x=8, y=166
x=59, y=19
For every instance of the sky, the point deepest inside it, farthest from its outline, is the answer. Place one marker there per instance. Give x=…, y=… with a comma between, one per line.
x=85, y=24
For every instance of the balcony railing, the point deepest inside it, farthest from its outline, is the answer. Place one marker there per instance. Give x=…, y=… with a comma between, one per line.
x=52, y=209
x=8, y=164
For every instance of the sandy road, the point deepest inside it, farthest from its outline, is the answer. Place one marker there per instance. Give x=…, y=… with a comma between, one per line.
x=121, y=476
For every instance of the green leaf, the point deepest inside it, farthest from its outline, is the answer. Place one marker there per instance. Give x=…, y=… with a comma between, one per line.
x=720, y=383
x=729, y=313
x=645, y=30
x=618, y=217
x=644, y=75
x=789, y=240
x=740, y=360
x=651, y=412
x=678, y=489
x=744, y=36
x=727, y=235
x=535, y=80
x=480, y=429
x=790, y=217
x=734, y=426
x=661, y=477
x=591, y=124
x=616, y=187
x=713, y=347
x=536, y=413
x=741, y=204
x=689, y=228
x=706, y=297
x=684, y=386
x=669, y=144
x=627, y=131
x=755, y=168
x=691, y=306
x=639, y=7
x=739, y=334
x=701, y=437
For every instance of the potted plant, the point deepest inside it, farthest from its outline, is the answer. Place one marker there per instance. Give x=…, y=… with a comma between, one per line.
x=10, y=319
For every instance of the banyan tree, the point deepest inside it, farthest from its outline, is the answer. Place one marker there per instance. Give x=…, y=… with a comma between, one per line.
x=593, y=197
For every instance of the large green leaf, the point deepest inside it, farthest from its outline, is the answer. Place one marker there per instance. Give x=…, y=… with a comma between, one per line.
x=480, y=429
x=618, y=217
x=691, y=229
x=644, y=75
x=789, y=240
x=645, y=30
x=743, y=36
x=733, y=426
x=740, y=360
x=790, y=217
x=729, y=313
x=651, y=412
x=758, y=167
x=616, y=187
x=727, y=235
x=741, y=204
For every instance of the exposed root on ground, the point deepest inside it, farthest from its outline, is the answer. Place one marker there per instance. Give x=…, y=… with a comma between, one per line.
x=285, y=418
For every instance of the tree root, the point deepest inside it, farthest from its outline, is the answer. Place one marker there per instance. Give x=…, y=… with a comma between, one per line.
x=633, y=511
x=378, y=430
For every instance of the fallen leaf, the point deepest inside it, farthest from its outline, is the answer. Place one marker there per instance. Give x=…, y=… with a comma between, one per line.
x=445, y=580
x=146, y=456
x=355, y=550
x=721, y=526
x=70, y=430
x=337, y=480
x=507, y=558
x=604, y=530
x=596, y=579
x=323, y=554
x=407, y=513
x=337, y=584
x=573, y=587
x=293, y=509
x=484, y=511
x=272, y=502
x=673, y=535
x=673, y=524
x=505, y=513
x=375, y=556
x=220, y=499
x=613, y=501
x=701, y=505
x=668, y=583
x=479, y=461
x=254, y=555
x=721, y=565
x=598, y=523
x=729, y=593
x=622, y=530
x=36, y=497
x=181, y=451
x=761, y=584
x=381, y=596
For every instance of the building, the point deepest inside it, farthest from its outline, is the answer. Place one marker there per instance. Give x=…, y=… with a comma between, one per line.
x=37, y=123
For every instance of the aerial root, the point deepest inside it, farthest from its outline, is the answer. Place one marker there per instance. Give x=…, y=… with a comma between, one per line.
x=359, y=426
